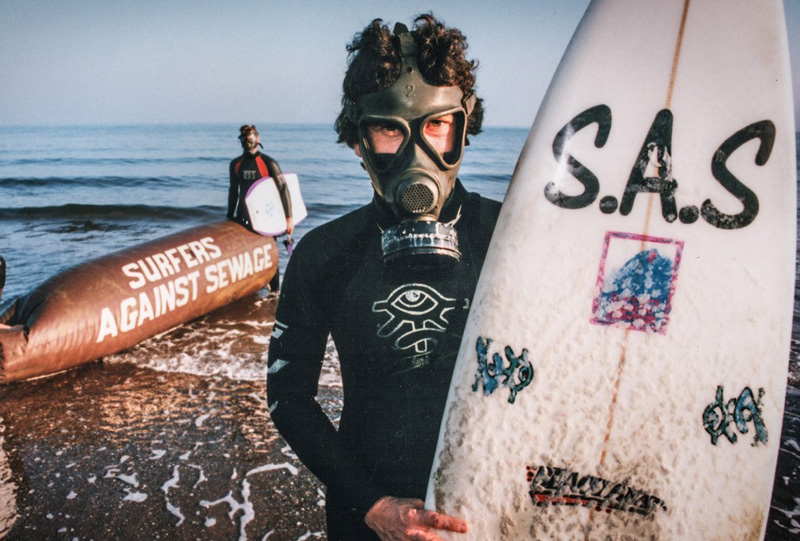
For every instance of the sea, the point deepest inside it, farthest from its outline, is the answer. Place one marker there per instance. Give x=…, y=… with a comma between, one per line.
x=170, y=439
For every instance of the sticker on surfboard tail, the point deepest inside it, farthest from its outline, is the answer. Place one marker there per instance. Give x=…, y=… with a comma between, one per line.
x=720, y=415
x=636, y=282
x=515, y=373
x=548, y=485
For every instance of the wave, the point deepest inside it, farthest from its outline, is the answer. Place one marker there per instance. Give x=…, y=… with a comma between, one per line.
x=115, y=161
x=475, y=178
x=95, y=182
x=112, y=212
x=330, y=209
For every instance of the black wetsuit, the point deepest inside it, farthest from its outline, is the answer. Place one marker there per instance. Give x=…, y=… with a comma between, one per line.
x=244, y=172
x=397, y=330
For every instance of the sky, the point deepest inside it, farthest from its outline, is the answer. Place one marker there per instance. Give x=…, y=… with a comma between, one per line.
x=66, y=62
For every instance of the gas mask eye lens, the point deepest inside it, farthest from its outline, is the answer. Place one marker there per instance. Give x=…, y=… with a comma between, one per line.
x=384, y=140
x=385, y=137
x=440, y=134
x=443, y=134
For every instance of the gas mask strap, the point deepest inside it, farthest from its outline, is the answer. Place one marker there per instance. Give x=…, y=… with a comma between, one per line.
x=468, y=102
x=408, y=49
x=455, y=220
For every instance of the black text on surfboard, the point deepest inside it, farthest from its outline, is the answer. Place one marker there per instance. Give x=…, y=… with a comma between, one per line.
x=652, y=171
x=559, y=486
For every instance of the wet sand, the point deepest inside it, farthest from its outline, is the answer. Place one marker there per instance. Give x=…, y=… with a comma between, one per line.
x=119, y=452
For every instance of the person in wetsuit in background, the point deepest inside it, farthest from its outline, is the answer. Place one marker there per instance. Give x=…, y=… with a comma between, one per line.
x=391, y=282
x=244, y=172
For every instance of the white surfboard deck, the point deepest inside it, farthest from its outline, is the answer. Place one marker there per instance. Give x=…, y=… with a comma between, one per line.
x=265, y=207
x=623, y=369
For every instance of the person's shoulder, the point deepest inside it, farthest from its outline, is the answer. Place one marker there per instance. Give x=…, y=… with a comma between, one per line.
x=327, y=247
x=487, y=209
x=266, y=157
x=489, y=205
x=490, y=210
x=333, y=236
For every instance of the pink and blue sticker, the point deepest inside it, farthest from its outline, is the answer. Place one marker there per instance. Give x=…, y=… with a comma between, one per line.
x=636, y=282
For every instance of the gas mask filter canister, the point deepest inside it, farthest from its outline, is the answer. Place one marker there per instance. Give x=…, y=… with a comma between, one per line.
x=415, y=174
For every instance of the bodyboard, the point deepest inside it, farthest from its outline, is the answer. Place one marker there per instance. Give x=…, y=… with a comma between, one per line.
x=266, y=209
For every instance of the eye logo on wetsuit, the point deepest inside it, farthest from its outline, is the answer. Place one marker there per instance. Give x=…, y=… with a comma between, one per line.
x=417, y=316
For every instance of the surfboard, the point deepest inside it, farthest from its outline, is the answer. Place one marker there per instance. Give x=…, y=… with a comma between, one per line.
x=265, y=207
x=623, y=369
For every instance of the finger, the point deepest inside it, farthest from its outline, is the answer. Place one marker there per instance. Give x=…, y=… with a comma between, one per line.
x=442, y=522
x=423, y=535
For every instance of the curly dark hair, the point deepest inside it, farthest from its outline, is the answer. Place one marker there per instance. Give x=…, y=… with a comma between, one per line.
x=374, y=64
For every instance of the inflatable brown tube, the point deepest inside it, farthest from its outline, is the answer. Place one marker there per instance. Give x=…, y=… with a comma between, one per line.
x=116, y=301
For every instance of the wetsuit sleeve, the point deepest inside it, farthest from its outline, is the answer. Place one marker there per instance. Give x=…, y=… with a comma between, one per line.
x=296, y=351
x=283, y=189
x=233, y=191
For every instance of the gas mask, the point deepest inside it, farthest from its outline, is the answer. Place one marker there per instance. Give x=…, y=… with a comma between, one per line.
x=416, y=172
x=250, y=141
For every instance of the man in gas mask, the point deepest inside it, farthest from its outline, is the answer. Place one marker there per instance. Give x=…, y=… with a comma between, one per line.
x=390, y=282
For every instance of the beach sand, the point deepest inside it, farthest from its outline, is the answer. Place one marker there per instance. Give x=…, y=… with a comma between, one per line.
x=112, y=451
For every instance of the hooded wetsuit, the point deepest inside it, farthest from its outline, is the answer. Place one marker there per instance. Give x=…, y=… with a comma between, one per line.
x=244, y=172
x=397, y=330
